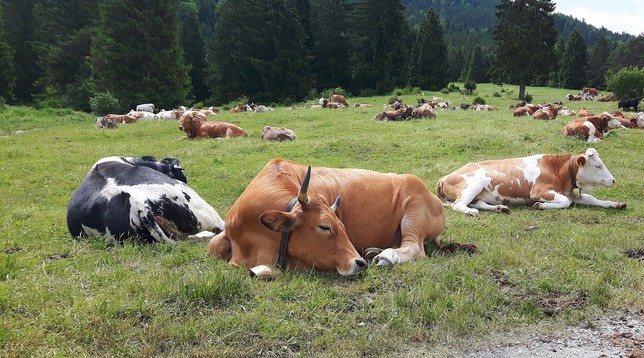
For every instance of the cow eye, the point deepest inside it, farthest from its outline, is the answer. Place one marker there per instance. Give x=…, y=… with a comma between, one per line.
x=325, y=228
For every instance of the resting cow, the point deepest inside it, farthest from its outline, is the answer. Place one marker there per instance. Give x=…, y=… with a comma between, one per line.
x=547, y=181
x=591, y=128
x=196, y=126
x=387, y=216
x=105, y=122
x=280, y=134
x=139, y=197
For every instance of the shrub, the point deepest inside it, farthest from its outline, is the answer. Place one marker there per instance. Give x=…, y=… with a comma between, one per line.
x=103, y=103
x=627, y=83
x=528, y=98
x=445, y=91
x=453, y=88
x=478, y=100
x=470, y=86
x=78, y=95
x=2, y=103
x=496, y=94
x=329, y=91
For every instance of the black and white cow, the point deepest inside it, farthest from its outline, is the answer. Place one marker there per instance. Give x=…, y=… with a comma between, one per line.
x=139, y=197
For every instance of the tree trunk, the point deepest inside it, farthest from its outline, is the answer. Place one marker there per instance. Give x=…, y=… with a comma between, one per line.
x=522, y=89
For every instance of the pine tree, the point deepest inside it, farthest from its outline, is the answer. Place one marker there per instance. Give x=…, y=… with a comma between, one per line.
x=429, y=56
x=456, y=63
x=524, y=38
x=7, y=75
x=140, y=60
x=19, y=34
x=380, y=46
x=258, y=43
x=598, y=64
x=63, y=32
x=574, y=62
x=330, y=29
x=478, y=67
x=628, y=54
x=194, y=48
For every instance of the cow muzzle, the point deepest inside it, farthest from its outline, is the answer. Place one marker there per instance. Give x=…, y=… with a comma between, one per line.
x=355, y=267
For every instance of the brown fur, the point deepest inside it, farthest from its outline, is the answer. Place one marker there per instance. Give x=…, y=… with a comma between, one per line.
x=196, y=127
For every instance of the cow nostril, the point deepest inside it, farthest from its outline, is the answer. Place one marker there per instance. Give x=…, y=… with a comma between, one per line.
x=361, y=263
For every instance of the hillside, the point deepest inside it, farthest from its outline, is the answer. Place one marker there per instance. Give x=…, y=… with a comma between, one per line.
x=469, y=22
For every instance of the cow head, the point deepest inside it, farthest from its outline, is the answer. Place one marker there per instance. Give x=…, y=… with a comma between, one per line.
x=318, y=237
x=639, y=119
x=611, y=121
x=174, y=169
x=190, y=121
x=592, y=172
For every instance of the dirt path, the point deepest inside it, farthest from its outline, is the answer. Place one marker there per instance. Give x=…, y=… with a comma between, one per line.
x=607, y=337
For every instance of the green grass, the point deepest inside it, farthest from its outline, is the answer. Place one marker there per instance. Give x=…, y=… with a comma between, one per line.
x=61, y=296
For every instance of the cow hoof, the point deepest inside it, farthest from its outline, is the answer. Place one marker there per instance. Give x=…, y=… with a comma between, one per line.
x=371, y=252
x=620, y=206
x=502, y=209
x=471, y=212
x=536, y=206
x=382, y=262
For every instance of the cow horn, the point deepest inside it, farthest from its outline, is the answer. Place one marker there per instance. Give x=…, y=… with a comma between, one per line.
x=301, y=196
x=335, y=205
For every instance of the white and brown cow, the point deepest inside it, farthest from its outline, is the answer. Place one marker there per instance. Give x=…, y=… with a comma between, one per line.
x=591, y=128
x=386, y=216
x=545, y=181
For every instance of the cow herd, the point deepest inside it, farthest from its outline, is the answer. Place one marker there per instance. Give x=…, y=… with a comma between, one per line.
x=299, y=217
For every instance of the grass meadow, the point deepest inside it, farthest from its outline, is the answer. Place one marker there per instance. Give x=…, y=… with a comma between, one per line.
x=61, y=296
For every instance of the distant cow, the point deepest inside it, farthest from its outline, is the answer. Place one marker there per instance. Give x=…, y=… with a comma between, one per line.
x=330, y=104
x=571, y=97
x=591, y=128
x=139, y=197
x=545, y=181
x=164, y=115
x=278, y=134
x=146, y=107
x=105, y=122
x=589, y=91
x=196, y=126
x=401, y=114
x=584, y=112
x=635, y=122
x=141, y=116
x=627, y=103
x=543, y=113
x=339, y=99
x=122, y=118
x=388, y=217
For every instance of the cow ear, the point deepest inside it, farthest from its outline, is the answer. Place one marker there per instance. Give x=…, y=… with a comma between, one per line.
x=581, y=161
x=276, y=220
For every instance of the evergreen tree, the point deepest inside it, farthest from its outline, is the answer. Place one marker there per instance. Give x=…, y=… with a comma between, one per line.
x=141, y=59
x=19, y=34
x=380, y=51
x=574, y=62
x=263, y=47
x=429, y=66
x=7, y=75
x=478, y=67
x=553, y=77
x=194, y=48
x=456, y=63
x=598, y=58
x=63, y=32
x=524, y=38
x=628, y=54
x=329, y=28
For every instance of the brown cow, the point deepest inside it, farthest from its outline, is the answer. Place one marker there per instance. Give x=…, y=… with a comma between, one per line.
x=122, y=118
x=339, y=99
x=571, y=97
x=591, y=128
x=401, y=114
x=326, y=104
x=521, y=111
x=387, y=216
x=583, y=112
x=423, y=113
x=589, y=91
x=543, y=113
x=635, y=122
x=545, y=181
x=196, y=126
x=278, y=134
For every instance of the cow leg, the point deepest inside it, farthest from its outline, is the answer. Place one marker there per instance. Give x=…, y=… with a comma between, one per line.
x=465, y=198
x=587, y=199
x=220, y=246
x=149, y=221
x=482, y=205
x=550, y=200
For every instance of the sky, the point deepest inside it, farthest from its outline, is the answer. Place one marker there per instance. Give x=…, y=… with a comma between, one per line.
x=615, y=15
